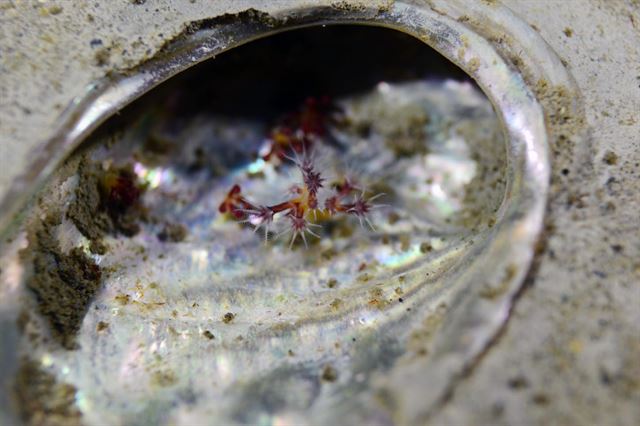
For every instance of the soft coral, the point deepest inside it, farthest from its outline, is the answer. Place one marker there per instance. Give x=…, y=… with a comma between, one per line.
x=293, y=139
x=346, y=198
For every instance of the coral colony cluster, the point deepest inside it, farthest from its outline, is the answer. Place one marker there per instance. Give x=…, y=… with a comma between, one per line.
x=293, y=140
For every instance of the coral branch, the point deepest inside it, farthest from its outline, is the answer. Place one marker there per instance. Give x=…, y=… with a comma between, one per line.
x=298, y=131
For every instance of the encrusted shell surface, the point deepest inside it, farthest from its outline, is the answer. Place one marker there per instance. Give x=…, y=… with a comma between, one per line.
x=365, y=325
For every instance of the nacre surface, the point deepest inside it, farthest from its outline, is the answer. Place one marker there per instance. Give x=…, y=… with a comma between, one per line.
x=346, y=303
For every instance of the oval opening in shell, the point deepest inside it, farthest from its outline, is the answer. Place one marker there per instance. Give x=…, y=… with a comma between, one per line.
x=144, y=292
